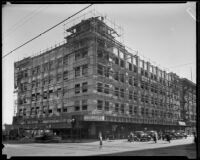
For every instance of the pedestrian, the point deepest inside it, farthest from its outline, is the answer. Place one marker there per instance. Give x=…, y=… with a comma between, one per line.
x=154, y=138
x=100, y=140
x=168, y=138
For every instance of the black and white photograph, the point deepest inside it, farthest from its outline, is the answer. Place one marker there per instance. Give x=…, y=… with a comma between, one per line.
x=99, y=79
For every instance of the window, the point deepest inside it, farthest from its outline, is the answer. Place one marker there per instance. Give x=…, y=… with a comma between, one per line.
x=130, y=66
x=99, y=104
x=84, y=87
x=65, y=75
x=130, y=95
x=135, y=110
x=99, y=54
x=116, y=61
x=84, y=104
x=77, y=105
x=147, y=111
x=65, y=109
x=85, y=70
x=50, y=110
x=100, y=69
x=77, y=88
x=58, y=110
x=116, y=76
x=59, y=62
x=33, y=97
x=122, y=108
x=50, y=79
x=50, y=93
x=135, y=96
x=65, y=59
x=33, y=84
x=77, y=56
x=122, y=77
x=130, y=81
x=130, y=109
x=142, y=72
x=122, y=63
x=122, y=92
x=106, y=72
x=77, y=71
x=135, y=82
x=116, y=107
x=142, y=111
x=106, y=89
x=99, y=87
x=117, y=91
x=59, y=77
x=45, y=95
x=106, y=106
x=135, y=69
x=51, y=65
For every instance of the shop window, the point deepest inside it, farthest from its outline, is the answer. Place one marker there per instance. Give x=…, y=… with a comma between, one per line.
x=99, y=104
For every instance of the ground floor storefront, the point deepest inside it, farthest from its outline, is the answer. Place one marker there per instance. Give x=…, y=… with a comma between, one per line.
x=89, y=126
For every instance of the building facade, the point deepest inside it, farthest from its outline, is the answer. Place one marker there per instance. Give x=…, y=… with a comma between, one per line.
x=95, y=80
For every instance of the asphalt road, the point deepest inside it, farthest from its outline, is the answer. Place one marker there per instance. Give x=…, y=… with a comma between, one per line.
x=116, y=147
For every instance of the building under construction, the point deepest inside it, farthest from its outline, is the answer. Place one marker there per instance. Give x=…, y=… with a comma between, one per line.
x=95, y=80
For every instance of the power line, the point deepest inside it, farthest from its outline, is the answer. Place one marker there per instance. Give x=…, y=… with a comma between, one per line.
x=46, y=31
x=23, y=21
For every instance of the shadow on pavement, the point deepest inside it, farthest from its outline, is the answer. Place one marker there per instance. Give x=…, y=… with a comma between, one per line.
x=188, y=150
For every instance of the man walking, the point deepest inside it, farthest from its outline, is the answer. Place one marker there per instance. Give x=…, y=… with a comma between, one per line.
x=100, y=140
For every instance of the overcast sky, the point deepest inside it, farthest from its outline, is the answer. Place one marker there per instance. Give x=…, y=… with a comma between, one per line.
x=162, y=33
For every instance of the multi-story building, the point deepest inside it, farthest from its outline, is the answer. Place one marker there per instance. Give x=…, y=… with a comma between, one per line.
x=188, y=104
x=96, y=80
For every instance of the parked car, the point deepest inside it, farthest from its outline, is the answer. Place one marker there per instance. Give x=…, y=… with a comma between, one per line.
x=142, y=136
x=46, y=138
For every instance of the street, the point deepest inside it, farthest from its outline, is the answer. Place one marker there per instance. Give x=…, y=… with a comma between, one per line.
x=115, y=147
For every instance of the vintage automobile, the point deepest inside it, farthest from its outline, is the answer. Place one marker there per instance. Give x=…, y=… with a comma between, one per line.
x=142, y=136
x=47, y=138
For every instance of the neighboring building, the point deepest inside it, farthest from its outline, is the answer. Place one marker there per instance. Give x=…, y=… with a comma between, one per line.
x=94, y=79
x=188, y=104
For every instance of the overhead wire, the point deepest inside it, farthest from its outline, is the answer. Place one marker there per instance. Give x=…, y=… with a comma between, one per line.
x=46, y=31
x=23, y=20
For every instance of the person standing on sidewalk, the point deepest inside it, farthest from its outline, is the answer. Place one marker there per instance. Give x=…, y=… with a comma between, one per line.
x=100, y=140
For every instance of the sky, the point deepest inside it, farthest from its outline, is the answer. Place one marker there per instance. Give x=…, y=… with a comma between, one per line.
x=164, y=34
